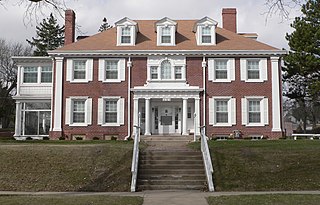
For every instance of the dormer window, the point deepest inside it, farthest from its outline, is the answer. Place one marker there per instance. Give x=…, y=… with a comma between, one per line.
x=205, y=30
x=166, y=32
x=126, y=32
x=125, y=35
x=206, y=34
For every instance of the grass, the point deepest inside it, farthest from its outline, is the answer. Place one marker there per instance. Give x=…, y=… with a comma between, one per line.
x=65, y=166
x=67, y=200
x=281, y=165
x=274, y=199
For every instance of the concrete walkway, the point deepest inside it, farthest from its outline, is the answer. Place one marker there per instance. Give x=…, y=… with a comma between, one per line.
x=164, y=197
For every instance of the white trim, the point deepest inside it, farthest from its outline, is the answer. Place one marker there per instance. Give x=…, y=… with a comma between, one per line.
x=230, y=69
x=88, y=70
x=88, y=111
x=263, y=70
x=276, y=103
x=120, y=111
x=57, y=112
x=121, y=70
x=264, y=107
x=231, y=109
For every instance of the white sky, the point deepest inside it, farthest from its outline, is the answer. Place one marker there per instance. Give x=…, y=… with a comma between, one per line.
x=89, y=15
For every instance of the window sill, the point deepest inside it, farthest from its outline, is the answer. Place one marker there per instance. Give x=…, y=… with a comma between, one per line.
x=254, y=81
x=222, y=81
x=255, y=125
x=222, y=125
x=111, y=125
x=78, y=125
x=79, y=81
x=112, y=81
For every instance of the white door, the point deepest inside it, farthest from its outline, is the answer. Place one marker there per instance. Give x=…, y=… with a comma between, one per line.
x=169, y=120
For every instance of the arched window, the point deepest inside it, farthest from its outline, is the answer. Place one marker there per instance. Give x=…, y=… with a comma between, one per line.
x=166, y=70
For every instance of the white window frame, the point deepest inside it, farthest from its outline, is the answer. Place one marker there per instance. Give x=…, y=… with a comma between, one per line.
x=264, y=111
x=172, y=34
x=263, y=69
x=102, y=110
x=130, y=34
x=230, y=70
x=69, y=110
x=39, y=72
x=121, y=70
x=133, y=31
x=211, y=35
x=231, y=111
x=70, y=73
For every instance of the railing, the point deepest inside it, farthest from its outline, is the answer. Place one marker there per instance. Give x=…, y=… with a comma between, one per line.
x=135, y=157
x=206, y=159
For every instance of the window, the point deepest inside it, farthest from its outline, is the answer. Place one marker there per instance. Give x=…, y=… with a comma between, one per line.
x=46, y=74
x=78, y=111
x=111, y=111
x=111, y=69
x=79, y=69
x=154, y=72
x=221, y=69
x=35, y=118
x=206, y=34
x=166, y=70
x=222, y=111
x=30, y=75
x=255, y=111
x=78, y=114
x=166, y=35
x=178, y=72
x=253, y=69
x=126, y=35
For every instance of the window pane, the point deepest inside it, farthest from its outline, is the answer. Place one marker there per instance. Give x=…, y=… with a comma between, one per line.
x=38, y=106
x=78, y=111
x=44, y=122
x=154, y=72
x=126, y=35
x=165, y=39
x=125, y=39
x=178, y=72
x=221, y=111
x=111, y=69
x=79, y=69
x=221, y=70
x=254, y=111
x=30, y=75
x=166, y=70
x=253, y=69
x=46, y=74
x=31, y=123
x=206, y=34
x=166, y=35
x=111, y=111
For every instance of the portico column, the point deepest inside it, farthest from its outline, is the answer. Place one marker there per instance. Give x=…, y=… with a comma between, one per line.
x=276, y=103
x=197, y=118
x=58, y=98
x=184, y=115
x=135, y=112
x=147, y=118
x=18, y=123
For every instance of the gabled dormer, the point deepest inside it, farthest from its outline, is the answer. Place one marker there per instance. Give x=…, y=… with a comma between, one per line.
x=166, y=32
x=127, y=30
x=205, y=30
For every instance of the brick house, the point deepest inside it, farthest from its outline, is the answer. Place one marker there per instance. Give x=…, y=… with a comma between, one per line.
x=177, y=75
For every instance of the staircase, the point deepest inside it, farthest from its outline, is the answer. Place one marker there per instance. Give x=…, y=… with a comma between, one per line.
x=168, y=164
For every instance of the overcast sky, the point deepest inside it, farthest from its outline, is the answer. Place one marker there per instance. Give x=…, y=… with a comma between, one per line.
x=89, y=15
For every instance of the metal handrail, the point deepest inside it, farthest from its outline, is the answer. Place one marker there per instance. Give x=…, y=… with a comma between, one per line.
x=206, y=159
x=135, y=159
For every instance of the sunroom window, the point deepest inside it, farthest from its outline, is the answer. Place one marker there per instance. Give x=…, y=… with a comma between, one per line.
x=30, y=75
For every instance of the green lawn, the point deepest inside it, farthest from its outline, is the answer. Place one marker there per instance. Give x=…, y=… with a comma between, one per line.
x=265, y=165
x=274, y=199
x=68, y=200
x=65, y=166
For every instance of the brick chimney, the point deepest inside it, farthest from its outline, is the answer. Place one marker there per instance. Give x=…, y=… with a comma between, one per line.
x=69, y=30
x=229, y=19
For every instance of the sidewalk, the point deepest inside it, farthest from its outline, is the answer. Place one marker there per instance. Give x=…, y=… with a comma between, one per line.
x=164, y=197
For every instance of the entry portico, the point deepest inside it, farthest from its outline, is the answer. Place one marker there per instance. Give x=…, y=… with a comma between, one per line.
x=167, y=108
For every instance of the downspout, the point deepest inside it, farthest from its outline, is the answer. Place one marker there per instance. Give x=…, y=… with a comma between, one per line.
x=204, y=65
x=129, y=65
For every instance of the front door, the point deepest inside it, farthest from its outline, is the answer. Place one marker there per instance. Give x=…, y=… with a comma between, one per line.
x=167, y=120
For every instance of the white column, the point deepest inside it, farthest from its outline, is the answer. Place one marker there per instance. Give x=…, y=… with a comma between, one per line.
x=197, y=118
x=184, y=115
x=57, y=112
x=135, y=112
x=204, y=65
x=147, y=118
x=129, y=65
x=276, y=105
x=17, y=130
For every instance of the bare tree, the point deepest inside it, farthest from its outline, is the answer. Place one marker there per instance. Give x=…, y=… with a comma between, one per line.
x=281, y=7
x=8, y=76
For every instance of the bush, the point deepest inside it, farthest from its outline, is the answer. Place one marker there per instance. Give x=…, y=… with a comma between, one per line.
x=62, y=138
x=114, y=138
x=79, y=138
x=96, y=138
x=45, y=138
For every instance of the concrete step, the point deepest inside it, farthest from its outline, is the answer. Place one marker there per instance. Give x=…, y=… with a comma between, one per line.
x=170, y=182
x=187, y=138
x=170, y=171
x=173, y=177
x=171, y=187
x=170, y=158
x=170, y=161
x=170, y=166
x=171, y=152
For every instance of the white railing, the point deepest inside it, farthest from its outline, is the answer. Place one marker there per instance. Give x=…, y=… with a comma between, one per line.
x=206, y=159
x=135, y=157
